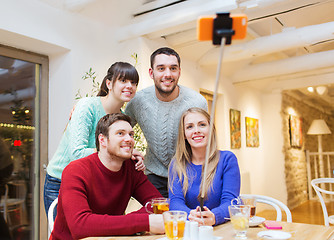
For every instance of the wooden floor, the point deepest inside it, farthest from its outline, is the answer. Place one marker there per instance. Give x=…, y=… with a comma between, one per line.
x=308, y=212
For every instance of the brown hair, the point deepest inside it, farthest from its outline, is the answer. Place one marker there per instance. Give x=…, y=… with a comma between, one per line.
x=167, y=51
x=183, y=157
x=105, y=122
x=119, y=70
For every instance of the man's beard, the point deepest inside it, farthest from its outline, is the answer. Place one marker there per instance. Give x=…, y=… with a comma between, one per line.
x=165, y=93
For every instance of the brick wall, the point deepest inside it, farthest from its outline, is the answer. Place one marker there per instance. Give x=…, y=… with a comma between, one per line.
x=295, y=160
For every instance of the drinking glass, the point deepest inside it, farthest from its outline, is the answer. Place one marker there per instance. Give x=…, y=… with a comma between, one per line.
x=246, y=200
x=239, y=215
x=159, y=205
x=175, y=222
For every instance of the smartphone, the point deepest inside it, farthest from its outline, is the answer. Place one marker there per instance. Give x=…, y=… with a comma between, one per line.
x=205, y=26
x=272, y=224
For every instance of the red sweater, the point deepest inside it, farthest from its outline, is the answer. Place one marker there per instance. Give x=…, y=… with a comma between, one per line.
x=92, y=200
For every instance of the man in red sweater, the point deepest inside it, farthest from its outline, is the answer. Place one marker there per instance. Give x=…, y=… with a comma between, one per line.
x=95, y=190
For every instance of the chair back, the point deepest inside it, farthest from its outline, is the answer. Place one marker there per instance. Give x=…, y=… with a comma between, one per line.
x=3, y=203
x=321, y=190
x=13, y=200
x=278, y=205
x=51, y=214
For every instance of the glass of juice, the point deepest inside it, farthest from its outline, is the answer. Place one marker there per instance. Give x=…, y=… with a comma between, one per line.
x=175, y=222
x=239, y=215
x=159, y=205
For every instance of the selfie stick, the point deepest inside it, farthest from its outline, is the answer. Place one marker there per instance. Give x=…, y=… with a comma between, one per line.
x=222, y=33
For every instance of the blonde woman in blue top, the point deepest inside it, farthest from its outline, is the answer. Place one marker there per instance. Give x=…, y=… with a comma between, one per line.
x=78, y=140
x=186, y=172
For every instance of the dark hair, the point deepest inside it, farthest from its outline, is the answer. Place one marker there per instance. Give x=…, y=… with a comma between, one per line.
x=105, y=122
x=167, y=51
x=119, y=70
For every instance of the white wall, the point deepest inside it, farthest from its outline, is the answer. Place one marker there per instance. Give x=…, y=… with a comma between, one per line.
x=73, y=44
x=272, y=165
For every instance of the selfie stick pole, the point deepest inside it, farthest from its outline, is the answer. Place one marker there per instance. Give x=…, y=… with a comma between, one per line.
x=222, y=34
x=212, y=118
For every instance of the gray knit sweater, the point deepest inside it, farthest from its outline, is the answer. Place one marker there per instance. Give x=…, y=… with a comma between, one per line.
x=159, y=121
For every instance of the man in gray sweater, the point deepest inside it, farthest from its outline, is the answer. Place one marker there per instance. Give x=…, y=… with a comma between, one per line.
x=158, y=109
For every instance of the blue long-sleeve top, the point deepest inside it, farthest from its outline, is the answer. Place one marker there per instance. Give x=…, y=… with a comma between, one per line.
x=225, y=187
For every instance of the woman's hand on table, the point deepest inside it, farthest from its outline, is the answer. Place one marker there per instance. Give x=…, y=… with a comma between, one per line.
x=139, y=159
x=209, y=218
x=156, y=222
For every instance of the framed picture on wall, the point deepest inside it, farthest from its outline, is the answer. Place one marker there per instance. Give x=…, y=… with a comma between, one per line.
x=235, y=128
x=295, y=129
x=252, y=132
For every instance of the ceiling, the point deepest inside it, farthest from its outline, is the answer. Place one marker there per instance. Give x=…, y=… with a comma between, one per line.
x=289, y=43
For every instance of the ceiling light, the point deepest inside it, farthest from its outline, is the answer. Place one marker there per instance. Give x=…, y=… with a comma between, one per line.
x=310, y=89
x=321, y=90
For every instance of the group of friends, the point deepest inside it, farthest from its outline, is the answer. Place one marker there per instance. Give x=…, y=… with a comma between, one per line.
x=94, y=190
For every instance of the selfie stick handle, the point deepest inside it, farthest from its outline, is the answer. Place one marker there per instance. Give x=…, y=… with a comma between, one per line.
x=212, y=118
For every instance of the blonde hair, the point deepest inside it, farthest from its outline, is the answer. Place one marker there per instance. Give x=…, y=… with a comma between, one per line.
x=183, y=157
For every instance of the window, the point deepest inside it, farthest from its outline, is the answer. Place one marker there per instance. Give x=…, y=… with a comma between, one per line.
x=23, y=127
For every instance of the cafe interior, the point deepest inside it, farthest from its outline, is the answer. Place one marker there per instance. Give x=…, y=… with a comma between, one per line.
x=275, y=98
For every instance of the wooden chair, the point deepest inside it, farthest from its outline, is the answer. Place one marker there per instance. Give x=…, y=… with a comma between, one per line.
x=320, y=190
x=278, y=205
